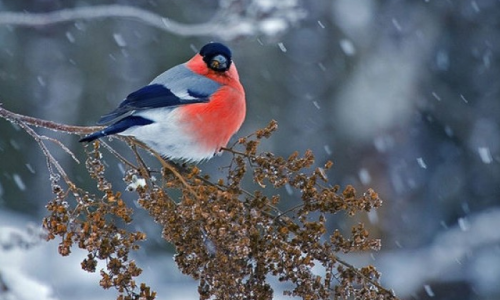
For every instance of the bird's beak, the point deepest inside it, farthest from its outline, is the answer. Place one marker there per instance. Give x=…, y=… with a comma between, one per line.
x=219, y=62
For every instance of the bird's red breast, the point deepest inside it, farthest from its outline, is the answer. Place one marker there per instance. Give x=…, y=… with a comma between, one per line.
x=214, y=122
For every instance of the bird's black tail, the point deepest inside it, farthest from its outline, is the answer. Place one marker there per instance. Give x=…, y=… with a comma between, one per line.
x=93, y=136
x=118, y=127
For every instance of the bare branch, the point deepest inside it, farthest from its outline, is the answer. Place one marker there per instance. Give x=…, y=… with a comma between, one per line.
x=17, y=118
x=117, y=155
x=51, y=161
x=60, y=144
x=166, y=165
x=98, y=12
x=25, y=122
x=227, y=22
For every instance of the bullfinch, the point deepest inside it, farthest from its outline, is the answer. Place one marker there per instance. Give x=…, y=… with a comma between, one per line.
x=186, y=113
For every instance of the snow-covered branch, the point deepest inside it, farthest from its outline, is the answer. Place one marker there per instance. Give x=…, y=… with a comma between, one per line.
x=255, y=18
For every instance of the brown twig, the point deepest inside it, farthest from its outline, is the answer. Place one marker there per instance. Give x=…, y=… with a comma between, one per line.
x=51, y=161
x=57, y=142
x=117, y=155
x=16, y=118
x=165, y=165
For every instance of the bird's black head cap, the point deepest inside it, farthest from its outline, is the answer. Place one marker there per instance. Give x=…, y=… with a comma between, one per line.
x=217, y=56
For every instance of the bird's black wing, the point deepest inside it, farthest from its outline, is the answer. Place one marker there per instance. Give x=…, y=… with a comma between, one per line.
x=150, y=96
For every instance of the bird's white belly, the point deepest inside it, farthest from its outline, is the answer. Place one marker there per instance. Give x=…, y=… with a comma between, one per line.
x=168, y=137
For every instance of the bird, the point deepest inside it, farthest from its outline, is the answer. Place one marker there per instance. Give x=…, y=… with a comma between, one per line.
x=187, y=113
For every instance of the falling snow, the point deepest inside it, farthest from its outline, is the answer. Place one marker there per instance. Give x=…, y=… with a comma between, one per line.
x=448, y=130
x=121, y=167
x=364, y=176
x=436, y=96
x=328, y=150
x=399, y=96
x=70, y=37
x=464, y=225
x=282, y=47
x=30, y=168
x=421, y=163
x=41, y=81
x=485, y=155
x=428, y=290
x=442, y=60
x=373, y=217
x=15, y=144
x=19, y=181
x=347, y=47
x=119, y=40
x=396, y=24
x=474, y=5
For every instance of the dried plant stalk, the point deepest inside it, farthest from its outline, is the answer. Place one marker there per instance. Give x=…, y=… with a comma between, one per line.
x=231, y=240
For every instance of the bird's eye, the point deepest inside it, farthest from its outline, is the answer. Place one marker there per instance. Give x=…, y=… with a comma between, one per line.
x=219, y=63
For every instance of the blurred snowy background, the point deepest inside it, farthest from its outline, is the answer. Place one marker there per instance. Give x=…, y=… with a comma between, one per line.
x=403, y=96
